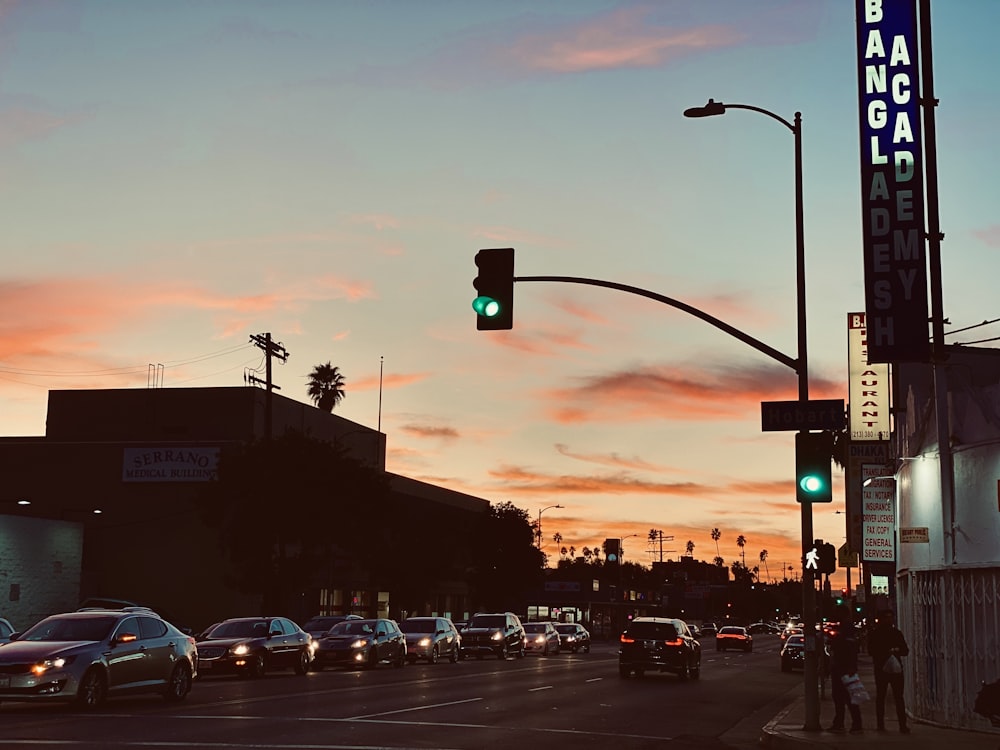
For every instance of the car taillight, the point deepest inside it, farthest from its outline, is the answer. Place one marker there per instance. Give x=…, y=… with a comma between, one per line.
x=675, y=642
x=626, y=639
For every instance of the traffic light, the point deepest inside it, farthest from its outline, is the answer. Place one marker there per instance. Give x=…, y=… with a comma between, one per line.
x=494, y=303
x=613, y=550
x=826, y=557
x=813, y=455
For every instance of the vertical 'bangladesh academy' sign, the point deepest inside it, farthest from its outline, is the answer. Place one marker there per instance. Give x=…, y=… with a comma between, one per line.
x=892, y=192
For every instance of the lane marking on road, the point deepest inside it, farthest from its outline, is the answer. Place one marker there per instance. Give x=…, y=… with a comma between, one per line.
x=536, y=689
x=411, y=708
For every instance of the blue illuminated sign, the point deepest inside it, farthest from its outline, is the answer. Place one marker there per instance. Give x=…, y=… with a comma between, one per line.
x=892, y=192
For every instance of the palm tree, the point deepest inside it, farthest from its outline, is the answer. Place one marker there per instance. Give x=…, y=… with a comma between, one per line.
x=719, y=562
x=763, y=559
x=326, y=386
x=690, y=548
x=716, y=536
x=741, y=542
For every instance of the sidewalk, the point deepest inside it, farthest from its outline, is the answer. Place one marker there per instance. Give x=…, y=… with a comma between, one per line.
x=785, y=730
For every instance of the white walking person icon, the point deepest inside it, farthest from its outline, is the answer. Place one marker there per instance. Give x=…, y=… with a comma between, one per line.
x=812, y=559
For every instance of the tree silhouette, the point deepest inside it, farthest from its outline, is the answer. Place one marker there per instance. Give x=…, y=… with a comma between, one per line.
x=741, y=542
x=690, y=548
x=719, y=562
x=763, y=559
x=716, y=536
x=326, y=386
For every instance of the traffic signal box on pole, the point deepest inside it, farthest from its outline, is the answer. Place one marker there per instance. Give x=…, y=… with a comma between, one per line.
x=826, y=563
x=494, y=302
x=613, y=550
x=813, y=456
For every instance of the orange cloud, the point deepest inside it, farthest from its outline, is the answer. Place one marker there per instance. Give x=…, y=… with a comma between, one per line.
x=624, y=38
x=612, y=459
x=430, y=431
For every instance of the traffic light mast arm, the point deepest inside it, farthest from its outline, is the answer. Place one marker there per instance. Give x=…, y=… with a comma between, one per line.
x=721, y=325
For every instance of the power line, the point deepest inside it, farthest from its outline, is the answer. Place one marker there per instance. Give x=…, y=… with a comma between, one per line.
x=118, y=371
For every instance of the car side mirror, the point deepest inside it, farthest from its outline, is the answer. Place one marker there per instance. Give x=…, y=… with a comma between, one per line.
x=125, y=638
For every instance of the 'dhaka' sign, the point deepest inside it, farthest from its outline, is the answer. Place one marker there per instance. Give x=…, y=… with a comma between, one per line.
x=892, y=193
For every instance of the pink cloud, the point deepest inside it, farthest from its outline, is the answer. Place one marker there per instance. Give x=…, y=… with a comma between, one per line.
x=989, y=236
x=624, y=38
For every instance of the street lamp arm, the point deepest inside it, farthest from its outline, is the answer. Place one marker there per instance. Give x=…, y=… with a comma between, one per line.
x=721, y=325
x=769, y=113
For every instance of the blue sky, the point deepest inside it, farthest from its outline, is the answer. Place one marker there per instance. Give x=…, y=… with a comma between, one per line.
x=178, y=176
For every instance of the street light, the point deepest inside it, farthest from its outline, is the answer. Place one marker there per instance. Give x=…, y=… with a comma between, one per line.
x=538, y=530
x=810, y=678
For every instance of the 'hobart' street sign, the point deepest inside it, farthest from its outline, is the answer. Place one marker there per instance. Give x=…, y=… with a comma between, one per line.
x=826, y=414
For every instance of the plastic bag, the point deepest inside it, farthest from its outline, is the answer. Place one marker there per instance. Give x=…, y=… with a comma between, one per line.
x=892, y=666
x=855, y=689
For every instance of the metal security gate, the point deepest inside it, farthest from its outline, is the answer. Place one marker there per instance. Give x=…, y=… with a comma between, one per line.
x=951, y=621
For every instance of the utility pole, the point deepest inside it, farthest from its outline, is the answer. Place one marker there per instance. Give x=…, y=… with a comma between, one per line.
x=271, y=351
x=656, y=535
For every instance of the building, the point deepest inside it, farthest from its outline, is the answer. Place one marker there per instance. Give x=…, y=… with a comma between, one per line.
x=108, y=499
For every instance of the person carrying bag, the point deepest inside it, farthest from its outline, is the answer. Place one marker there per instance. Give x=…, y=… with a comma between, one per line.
x=887, y=647
x=843, y=647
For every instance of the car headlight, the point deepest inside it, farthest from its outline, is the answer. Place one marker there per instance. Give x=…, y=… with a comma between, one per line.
x=497, y=636
x=240, y=649
x=539, y=639
x=44, y=666
x=360, y=643
x=424, y=642
x=570, y=638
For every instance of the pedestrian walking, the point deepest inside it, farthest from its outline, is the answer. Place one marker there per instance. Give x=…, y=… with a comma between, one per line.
x=887, y=647
x=842, y=645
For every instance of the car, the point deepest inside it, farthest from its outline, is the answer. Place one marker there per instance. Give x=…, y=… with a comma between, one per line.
x=254, y=646
x=787, y=632
x=541, y=638
x=759, y=628
x=660, y=644
x=362, y=643
x=5, y=629
x=87, y=657
x=573, y=637
x=101, y=602
x=708, y=630
x=493, y=634
x=695, y=629
x=431, y=638
x=733, y=636
x=793, y=653
x=317, y=626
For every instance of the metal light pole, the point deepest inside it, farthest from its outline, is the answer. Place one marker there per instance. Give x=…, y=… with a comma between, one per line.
x=810, y=677
x=538, y=530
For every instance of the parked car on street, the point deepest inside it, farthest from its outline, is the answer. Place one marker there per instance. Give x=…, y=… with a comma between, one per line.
x=661, y=644
x=497, y=634
x=86, y=657
x=431, y=638
x=253, y=646
x=793, y=653
x=362, y=643
x=541, y=638
x=573, y=637
x=733, y=636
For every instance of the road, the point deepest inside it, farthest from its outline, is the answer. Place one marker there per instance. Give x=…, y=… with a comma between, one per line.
x=565, y=700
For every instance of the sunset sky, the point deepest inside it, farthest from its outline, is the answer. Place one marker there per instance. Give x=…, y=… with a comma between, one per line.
x=180, y=175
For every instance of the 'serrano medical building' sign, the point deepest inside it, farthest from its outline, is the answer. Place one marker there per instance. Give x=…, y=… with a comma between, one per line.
x=892, y=193
x=160, y=464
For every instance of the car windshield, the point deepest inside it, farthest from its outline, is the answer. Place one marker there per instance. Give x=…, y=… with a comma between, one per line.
x=352, y=627
x=731, y=631
x=535, y=627
x=321, y=623
x=795, y=640
x=94, y=628
x=487, y=621
x=239, y=629
x=566, y=628
x=417, y=626
x=658, y=630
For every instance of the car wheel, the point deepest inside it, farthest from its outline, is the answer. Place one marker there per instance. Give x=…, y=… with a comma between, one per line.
x=502, y=651
x=400, y=660
x=302, y=663
x=545, y=651
x=179, y=684
x=433, y=658
x=93, y=690
x=455, y=656
x=624, y=672
x=258, y=665
x=684, y=671
x=695, y=671
x=586, y=649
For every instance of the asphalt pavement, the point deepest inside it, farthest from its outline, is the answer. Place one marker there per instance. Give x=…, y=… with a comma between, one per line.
x=786, y=730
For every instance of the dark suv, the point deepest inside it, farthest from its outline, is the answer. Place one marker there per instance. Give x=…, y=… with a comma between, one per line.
x=659, y=643
x=497, y=633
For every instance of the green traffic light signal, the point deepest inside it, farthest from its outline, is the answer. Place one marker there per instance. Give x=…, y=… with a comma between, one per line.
x=813, y=456
x=494, y=303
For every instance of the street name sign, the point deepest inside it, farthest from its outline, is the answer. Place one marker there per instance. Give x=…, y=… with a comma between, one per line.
x=825, y=414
